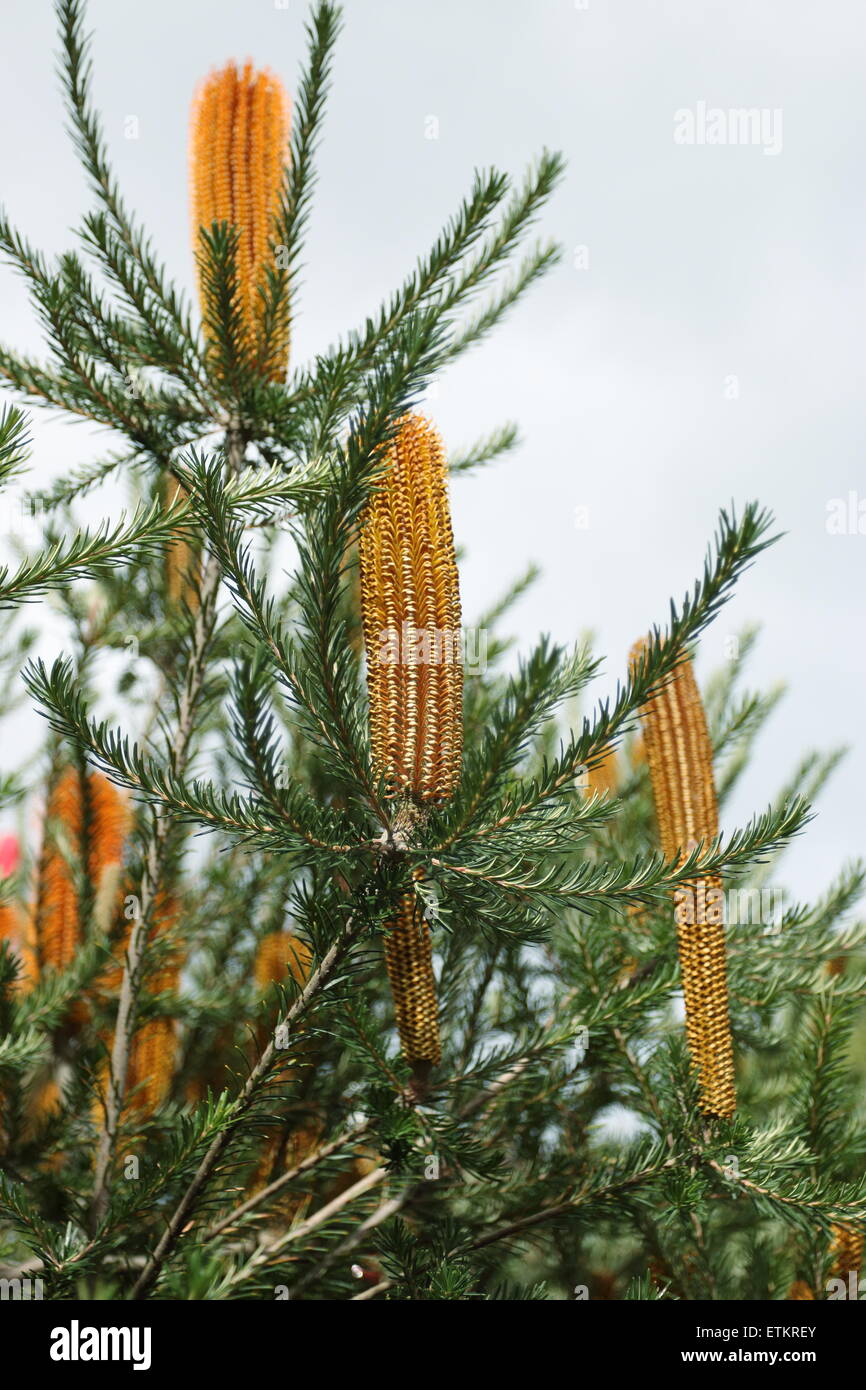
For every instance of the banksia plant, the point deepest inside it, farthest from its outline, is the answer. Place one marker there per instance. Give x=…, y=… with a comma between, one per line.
x=679, y=753
x=564, y=1146
x=238, y=151
x=410, y=604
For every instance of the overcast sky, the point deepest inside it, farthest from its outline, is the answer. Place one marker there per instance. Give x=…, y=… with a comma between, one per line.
x=702, y=341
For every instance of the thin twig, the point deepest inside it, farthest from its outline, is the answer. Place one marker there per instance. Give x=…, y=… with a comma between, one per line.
x=376, y=1218
x=269, y=1249
x=381, y=1287
x=351, y=930
x=266, y=1193
x=525, y=1223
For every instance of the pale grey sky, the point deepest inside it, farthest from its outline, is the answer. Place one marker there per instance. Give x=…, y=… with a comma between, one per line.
x=706, y=263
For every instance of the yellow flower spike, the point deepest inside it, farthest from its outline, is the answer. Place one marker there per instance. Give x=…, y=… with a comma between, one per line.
x=408, y=959
x=410, y=603
x=410, y=608
x=239, y=144
x=680, y=760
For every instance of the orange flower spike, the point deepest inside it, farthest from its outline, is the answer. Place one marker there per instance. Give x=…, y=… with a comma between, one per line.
x=154, y=1052
x=679, y=754
x=110, y=825
x=151, y=1065
x=58, y=928
x=242, y=175
x=410, y=609
x=239, y=143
